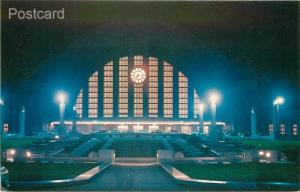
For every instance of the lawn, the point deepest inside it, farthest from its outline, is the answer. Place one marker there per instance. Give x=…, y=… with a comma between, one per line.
x=269, y=144
x=242, y=171
x=290, y=148
x=45, y=171
x=16, y=142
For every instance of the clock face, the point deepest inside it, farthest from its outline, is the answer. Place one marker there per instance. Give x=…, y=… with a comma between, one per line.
x=138, y=75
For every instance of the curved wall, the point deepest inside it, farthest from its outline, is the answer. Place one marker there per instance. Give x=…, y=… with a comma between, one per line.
x=137, y=87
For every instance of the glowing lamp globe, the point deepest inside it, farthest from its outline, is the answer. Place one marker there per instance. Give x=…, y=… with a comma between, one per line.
x=61, y=97
x=214, y=98
x=201, y=106
x=279, y=101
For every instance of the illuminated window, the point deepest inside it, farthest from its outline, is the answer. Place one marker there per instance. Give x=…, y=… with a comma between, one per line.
x=196, y=104
x=270, y=128
x=5, y=128
x=108, y=89
x=153, y=87
x=295, y=129
x=93, y=95
x=123, y=87
x=78, y=104
x=138, y=90
x=183, y=95
x=205, y=129
x=168, y=90
x=282, y=129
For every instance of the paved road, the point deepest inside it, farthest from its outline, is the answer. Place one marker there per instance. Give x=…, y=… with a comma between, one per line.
x=131, y=178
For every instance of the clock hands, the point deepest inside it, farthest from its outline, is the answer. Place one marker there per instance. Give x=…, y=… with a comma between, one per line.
x=138, y=75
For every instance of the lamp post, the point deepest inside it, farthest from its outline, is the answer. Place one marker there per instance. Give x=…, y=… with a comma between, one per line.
x=253, y=122
x=214, y=98
x=22, y=121
x=276, y=123
x=74, y=120
x=61, y=97
x=201, y=112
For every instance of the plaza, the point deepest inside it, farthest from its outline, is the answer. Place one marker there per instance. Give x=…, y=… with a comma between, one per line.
x=143, y=161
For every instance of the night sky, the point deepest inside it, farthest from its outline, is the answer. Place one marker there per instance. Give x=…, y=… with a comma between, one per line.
x=249, y=51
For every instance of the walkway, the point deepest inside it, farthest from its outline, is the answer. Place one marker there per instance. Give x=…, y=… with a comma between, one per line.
x=130, y=178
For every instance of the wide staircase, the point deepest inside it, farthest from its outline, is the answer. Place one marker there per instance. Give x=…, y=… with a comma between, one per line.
x=136, y=147
x=167, y=145
x=107, y=144
x=181, y=145
x=85, y=148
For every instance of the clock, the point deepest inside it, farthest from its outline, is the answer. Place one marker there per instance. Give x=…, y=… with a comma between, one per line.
x=138, y=75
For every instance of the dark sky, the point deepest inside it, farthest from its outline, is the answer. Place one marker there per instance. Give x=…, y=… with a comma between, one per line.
x=247, y=50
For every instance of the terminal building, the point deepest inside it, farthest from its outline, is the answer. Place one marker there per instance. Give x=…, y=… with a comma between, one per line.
x=137, y=94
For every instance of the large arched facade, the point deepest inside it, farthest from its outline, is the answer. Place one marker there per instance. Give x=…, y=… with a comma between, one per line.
x=136, y=88
x=140, y=94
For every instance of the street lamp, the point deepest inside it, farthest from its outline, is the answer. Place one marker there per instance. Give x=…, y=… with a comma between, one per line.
x=214, y=98
x=201, y=112
x=276, y=103
x=22, y=121
x=74, y=119
x=61, y=98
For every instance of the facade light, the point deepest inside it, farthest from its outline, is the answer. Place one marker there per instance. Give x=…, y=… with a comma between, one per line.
x=268, y=154
x=56, y=137
x=12, y=152
x=28, y=154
